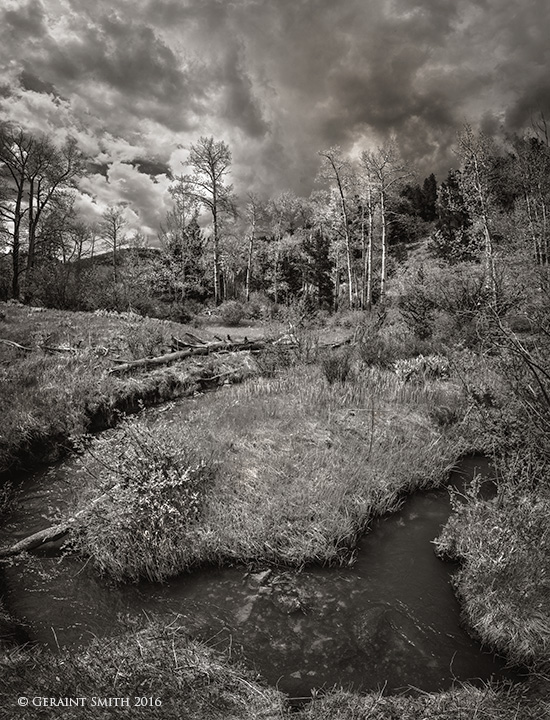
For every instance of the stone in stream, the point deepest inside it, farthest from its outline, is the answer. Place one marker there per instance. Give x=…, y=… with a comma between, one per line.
x=369, y=625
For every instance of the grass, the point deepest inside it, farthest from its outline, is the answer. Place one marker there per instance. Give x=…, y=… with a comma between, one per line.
x=47, y=399
x=160, y=663
x=504, y=582
x=300, y=468
x=182, y=678
x=461, y=703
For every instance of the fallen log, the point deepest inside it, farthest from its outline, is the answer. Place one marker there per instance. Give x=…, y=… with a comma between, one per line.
x=51, y=534
x=216, y=347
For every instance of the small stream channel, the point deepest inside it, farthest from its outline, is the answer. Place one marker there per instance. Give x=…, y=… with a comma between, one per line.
x=391, y=620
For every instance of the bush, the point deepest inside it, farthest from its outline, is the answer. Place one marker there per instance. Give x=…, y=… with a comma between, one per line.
x=432, y=367
x=260, y=307
x=504, y=547
x=231, y=312
x=149, y=496
x=145, y=337
x=337, y=365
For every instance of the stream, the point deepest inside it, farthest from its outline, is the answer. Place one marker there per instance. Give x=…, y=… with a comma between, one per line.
x=390, y=620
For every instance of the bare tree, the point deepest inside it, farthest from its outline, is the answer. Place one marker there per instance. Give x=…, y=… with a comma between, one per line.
x=210, y=162
x=338, y=170
x=475, y=152
x=384, y=169
x=50, y=174
x=112, y=233
x=35, y=175
x=16, y=147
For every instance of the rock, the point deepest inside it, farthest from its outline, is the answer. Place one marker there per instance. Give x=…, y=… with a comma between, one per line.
x=369, y=625
x=260, y=578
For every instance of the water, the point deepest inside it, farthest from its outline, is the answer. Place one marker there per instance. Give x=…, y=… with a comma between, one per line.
x=391, y=620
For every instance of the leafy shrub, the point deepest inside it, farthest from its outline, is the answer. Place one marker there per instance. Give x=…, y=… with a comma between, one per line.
x=145, y=337
x=432, y=367
x=231, y=312
x=337, y=365
x=272, y=359
x=260, y=307
x=149, y=496
x=504, y=546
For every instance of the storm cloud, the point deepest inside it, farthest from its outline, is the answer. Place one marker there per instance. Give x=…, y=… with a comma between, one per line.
x=278, y=81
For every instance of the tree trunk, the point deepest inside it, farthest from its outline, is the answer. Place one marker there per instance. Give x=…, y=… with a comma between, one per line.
x=384, y=247
x=249, y=260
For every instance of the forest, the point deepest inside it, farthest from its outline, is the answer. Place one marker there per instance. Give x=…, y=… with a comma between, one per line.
x=343, y=247
x=362, y=340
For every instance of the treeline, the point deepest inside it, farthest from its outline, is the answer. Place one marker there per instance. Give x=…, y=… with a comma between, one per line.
x=336, y=248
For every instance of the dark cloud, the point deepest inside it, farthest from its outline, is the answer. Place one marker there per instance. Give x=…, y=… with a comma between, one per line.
x=27, y=20
x=150, y=167
x=96, y=168
x=280, y=80
x=29, y=81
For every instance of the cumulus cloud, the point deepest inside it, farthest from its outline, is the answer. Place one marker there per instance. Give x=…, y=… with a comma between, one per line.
x=137, y=81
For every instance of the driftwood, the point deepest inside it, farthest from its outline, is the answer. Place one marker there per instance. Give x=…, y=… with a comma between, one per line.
x=190, y=345
x=189, y=351
x=51, y=534
x=45, y=348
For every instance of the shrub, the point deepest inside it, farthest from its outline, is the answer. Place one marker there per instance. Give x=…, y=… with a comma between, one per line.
x=337, y=365
x=432, y=367
x=144, y=337
x=148, y=498
x=504, y=546
x=231, y=312
x=260, y=307
x=273, y=359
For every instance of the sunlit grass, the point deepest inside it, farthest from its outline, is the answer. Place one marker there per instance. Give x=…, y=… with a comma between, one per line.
x=504, y=583
x=302, y=466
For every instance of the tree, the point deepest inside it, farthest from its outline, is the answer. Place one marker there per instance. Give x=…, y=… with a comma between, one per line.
x=210, y=162
x=112, y=233
x=182, y=242
x=338, y=170
x=385, y=169
x=453, y=240
x=16, y=147
x=50, y=174
x=35, y=176
x=475, y=152
x=532, y=171
x=256, y=217
x=283, y=212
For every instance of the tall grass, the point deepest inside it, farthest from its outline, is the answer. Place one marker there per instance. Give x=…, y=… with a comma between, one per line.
x=302, y=465
x=504, y=583
x=465, y=702
x=176, y=676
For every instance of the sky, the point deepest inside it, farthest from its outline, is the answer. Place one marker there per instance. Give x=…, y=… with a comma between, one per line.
x=138, y=81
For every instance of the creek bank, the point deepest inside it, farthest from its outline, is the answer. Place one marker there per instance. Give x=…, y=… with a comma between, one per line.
x=128, y=397
x=390, y=618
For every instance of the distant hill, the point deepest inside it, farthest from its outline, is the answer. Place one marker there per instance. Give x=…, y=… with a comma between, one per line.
x=123, y=255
